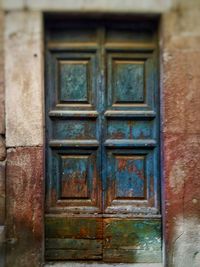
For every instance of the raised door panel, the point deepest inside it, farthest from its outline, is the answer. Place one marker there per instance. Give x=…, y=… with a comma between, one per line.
x=130, y=83
x=74, y=182
x=131, y=181
x=74, y=79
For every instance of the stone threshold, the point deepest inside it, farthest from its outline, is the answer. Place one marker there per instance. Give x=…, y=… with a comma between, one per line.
x=94, y=264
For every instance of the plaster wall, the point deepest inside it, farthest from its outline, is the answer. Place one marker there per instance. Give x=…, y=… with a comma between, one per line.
x=180, y=129
x=24, y=79
x=180, y=81
x=2, y=145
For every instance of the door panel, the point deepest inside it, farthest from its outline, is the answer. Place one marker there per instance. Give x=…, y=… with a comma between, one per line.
x=74, y=79
x=131, y=181
x=132, y=240
x=73, y=238
x=74, y=184
x=130, y=81
x=129, y=129
x=102, y=142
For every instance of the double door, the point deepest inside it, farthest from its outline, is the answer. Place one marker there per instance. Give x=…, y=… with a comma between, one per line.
x=102, y=142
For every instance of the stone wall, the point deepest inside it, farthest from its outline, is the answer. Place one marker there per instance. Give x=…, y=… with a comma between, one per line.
x=180, y=123
x=2, y=145
x=180, y=52
x=24, y=138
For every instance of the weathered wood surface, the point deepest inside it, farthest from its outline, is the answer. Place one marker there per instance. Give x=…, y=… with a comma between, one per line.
x=67, y=243
x=76, y=254
x=66, y=227
x=131, y=255
x=132, y=240
x=102, y=142
x=73, y=238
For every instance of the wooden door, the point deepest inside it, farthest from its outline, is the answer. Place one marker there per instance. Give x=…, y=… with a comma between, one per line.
x=102, y=142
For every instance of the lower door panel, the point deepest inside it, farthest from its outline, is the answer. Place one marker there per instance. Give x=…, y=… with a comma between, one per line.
x=73, y=238
x=110, y=239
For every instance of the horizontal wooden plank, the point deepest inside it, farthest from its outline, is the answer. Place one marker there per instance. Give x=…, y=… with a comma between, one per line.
x=134, y=256
x=133, y=234
x=130, y=114
x=57, y=46
x=90, y=114
x=138, y=207
x=130, y=143
x=72, y=254
x=70, y=243
x=63, y=227
x=136, y=46
x=73, y=143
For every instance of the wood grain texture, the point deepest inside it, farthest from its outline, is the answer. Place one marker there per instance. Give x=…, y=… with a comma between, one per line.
x=102, y=143
x=132, y=240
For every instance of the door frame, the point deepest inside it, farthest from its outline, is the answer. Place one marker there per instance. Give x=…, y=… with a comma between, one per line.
x=122, y=17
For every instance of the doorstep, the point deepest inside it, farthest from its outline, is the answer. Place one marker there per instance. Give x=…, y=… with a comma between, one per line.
x=76, y=264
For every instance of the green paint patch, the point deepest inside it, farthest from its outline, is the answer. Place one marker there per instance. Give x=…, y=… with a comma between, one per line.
x=132, y=240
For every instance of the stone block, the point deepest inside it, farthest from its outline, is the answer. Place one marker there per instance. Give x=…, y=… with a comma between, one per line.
x=180, y=92
x=12, y=4
x=186, y=247
x=2, y=94
x=182, y=198
x=150, y=6
x=2, y=193
x=24, y=201
x=180, y=26
x=2, y=148
x=186, y=3
x=24, y=79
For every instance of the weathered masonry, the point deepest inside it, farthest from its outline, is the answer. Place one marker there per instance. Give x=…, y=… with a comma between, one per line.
x=102, y=123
